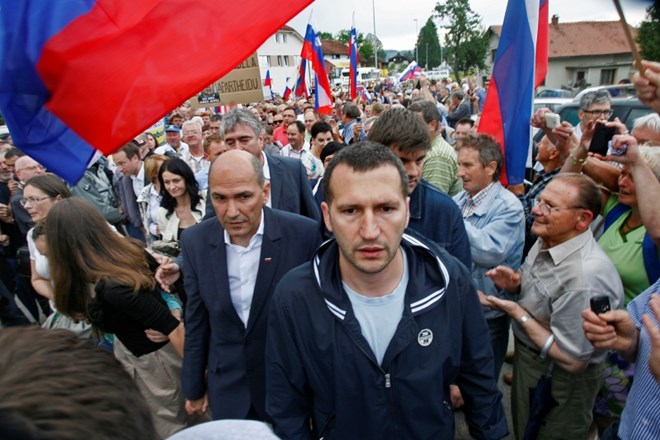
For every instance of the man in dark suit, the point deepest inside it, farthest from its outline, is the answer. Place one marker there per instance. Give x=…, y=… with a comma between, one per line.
x=289, y=188
x=231, y=265
x=129, y=185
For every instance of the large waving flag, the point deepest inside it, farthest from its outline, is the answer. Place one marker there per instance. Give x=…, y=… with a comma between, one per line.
x=354, y=61
x=521, y=63
x=81, y=75
x=312, y=52
x=411, y=72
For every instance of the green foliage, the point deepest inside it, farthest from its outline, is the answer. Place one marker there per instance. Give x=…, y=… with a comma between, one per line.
x=367, y=44
x=466, y=42
x=326, y=36
x=648, y=34
x=428, y=45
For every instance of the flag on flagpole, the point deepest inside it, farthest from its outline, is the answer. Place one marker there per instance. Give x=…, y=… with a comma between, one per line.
x=85, y=75
x=301, y=82
x=312, y=52
x=521, y=63
x=411, y=72
x=269, y=83
x=354, y=61
x=287, y=90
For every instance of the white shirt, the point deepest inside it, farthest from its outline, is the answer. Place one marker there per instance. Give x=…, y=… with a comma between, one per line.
x=167, y=147
x=138, y=181
x=288, y=151
x=266, y=170
x=242, y=269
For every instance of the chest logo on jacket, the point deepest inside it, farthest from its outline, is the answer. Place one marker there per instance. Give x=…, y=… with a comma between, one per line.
x=425, y=337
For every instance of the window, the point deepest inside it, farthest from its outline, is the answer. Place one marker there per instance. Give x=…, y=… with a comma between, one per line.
x=277, y=38
x=268, y=60
x=492, y=55
x=607, y=76
x=286, y=60
x=279, y=60
x=284, y=38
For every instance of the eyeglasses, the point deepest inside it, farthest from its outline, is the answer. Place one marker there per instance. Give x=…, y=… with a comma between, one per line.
x=606, y=113
x=278, y=121
x=547, y=209
x=33, y=200
x=191, y=133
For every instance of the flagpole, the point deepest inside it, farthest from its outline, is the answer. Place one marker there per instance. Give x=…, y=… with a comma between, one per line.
x=373, y=6
x=629, y=37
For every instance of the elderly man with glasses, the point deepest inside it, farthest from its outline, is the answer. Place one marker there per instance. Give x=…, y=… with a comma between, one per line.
x=25, y=169
x=564, y=270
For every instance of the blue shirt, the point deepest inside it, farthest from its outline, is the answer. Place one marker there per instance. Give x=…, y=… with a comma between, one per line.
x=641, y=415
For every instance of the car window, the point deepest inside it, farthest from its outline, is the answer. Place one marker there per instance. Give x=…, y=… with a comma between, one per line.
x=570, y=115
x=636, y=113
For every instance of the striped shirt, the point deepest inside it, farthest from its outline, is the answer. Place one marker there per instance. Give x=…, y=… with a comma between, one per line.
x=641, y=417
x=441, y=167
x=471, y=203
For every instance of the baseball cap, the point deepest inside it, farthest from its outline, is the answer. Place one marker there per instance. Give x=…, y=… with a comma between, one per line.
x=171, y=128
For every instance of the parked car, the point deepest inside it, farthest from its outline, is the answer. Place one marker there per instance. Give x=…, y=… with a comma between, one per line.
x=555, y=93
x=626, y=109
x=616, y=90
x=552, y=103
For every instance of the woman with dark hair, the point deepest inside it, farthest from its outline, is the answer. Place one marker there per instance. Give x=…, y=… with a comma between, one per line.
x=40, y=194
x=152, y=142
x=182, y=206
x=108, y=280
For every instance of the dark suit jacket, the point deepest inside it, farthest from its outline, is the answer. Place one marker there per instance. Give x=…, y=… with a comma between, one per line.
x=129, y=200
x=289, y=189
x=216, y=339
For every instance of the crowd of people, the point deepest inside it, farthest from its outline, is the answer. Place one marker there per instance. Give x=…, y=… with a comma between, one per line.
x=353, y=275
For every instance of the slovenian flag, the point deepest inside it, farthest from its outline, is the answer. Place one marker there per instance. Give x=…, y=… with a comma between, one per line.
x=269, y=83
x=521, y=63
x=411, y=72
x=301, y=82
x=312, y=52
x=354, y=61
x=84, y=75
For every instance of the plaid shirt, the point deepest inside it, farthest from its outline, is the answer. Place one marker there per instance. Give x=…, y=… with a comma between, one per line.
x=529, y=200
x=472, y=202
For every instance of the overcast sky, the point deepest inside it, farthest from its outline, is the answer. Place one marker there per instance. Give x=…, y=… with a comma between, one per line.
x=395, y=25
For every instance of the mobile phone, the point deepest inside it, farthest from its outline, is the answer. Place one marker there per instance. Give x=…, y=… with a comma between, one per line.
x=602, y=136
x=358, y=120
x=600, y=304
x=552, y=120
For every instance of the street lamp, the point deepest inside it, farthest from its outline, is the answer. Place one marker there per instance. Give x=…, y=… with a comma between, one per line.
x=416, y=38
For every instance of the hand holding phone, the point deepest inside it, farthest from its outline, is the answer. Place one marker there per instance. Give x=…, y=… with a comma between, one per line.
x=601, y=138
x=552, y=120
x=600, y=304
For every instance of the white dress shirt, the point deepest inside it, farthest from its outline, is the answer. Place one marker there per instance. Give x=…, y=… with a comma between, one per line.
x=138, y=181
x=242, y=269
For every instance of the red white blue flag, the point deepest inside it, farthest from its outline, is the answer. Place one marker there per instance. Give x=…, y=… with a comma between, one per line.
x=411, y=72
x=301, y=82
x=312, y=52
x=269, y=83
x=521, y=63
x=84, y=75
x=354, y=61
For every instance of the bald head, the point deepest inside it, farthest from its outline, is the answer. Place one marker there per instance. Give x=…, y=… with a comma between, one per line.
x=234, y=160
x=26, y=168
x=238, y=193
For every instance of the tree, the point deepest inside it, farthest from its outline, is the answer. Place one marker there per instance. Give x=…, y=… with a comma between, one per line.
x=367, y=44
x=466, y=43
x=428, y=45
x=326, y=36
x=648, y=35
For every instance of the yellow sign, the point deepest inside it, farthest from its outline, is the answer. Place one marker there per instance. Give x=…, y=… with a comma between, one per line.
x=240, y=86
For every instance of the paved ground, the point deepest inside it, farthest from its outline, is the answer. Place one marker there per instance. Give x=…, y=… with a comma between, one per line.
x=461, y=427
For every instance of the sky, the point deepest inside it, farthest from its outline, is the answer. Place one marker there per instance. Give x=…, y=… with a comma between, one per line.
x=395, y=21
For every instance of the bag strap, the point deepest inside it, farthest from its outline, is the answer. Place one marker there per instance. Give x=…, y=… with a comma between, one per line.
x=616, y=212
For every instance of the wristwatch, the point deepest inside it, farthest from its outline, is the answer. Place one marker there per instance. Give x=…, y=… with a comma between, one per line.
x=523, y=319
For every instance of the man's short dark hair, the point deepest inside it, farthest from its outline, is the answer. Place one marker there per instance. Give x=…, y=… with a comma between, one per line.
x=428, y=110
x=400, y=128
x=299, y=125
x=210, y=139
x=216, y=117
x=330, y=148
x=351, y=111
x=13, y=152
x=362, y=157
x=55, y=385
x=320, y=127
x=464, y=121
x=488, y=149
x=458, y=95
x=130, y=150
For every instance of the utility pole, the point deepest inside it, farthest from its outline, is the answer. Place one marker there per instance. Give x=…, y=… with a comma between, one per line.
x=416, y=40
x=427, y=56
x=373, y=7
